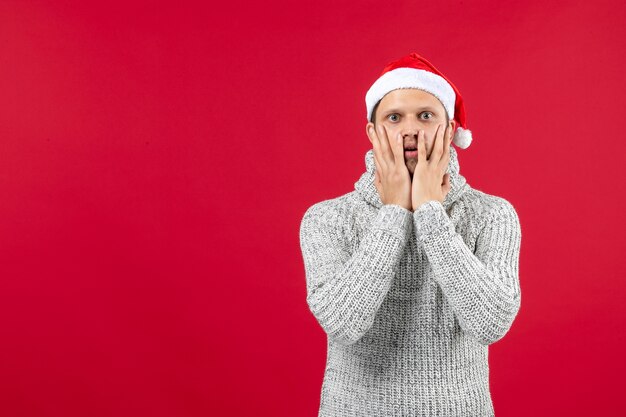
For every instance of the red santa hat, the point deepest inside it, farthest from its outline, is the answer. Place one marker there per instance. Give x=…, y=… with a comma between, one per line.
x=414, y=71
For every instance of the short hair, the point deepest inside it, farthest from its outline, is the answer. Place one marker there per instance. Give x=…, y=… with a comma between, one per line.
x=373, y=118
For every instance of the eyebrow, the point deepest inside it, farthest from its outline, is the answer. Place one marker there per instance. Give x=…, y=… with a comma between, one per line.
x=419, y=109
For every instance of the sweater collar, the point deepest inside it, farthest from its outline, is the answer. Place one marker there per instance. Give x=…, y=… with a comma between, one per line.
x=367, y=190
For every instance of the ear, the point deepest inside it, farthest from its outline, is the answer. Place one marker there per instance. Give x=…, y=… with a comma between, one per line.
x=369, y=131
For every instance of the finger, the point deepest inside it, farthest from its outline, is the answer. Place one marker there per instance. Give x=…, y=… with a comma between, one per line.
x=437, y=146
x=445, y=157
x=387, y=153
x=398, y=150
x=377, y=151
x=421, y=147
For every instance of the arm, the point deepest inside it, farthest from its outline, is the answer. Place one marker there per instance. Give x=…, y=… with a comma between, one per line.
x=482, y=288
x=344, y=290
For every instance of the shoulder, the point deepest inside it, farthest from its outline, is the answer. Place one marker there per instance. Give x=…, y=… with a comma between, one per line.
x=333, y=212
x=329, y=221
x=487, y=207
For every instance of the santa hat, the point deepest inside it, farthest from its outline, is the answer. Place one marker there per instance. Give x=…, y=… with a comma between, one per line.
x=414, y=71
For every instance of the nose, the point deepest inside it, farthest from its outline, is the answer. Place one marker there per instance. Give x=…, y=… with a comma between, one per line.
x=410, y=128
x=410, y=133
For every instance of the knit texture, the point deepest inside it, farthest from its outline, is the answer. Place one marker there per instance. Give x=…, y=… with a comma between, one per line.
x=410, y=301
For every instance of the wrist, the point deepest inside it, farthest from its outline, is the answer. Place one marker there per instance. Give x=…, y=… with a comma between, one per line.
x=423, y=201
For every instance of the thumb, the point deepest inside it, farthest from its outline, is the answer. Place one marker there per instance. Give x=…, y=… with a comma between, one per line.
x=446, y=183
x=377, y=183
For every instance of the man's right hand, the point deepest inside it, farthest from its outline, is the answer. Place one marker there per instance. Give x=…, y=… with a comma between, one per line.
x=392, y=179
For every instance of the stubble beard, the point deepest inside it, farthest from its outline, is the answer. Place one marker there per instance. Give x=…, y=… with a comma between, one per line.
x=410, y=165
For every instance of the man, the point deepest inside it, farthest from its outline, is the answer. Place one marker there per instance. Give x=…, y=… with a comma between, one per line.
x=414, y=273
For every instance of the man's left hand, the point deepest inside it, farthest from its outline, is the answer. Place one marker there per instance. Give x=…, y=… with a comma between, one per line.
x=430, y=179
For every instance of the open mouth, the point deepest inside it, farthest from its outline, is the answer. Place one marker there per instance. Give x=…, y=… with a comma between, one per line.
x=410, y=152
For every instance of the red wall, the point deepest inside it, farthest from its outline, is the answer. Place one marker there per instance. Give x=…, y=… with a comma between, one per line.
x=155, y=162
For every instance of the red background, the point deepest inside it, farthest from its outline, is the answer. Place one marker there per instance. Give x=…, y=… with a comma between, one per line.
x=156, y=160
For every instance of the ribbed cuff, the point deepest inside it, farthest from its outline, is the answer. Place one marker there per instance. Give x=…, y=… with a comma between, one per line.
x=429, y=218
x=393, y=218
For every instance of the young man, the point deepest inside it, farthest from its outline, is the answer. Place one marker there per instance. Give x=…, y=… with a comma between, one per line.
x=414, y=273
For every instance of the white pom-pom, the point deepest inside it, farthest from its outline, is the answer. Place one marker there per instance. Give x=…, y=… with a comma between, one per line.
x=462, y=137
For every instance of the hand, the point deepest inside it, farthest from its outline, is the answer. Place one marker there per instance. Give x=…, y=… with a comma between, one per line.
x=430, y=180
x=392, y=179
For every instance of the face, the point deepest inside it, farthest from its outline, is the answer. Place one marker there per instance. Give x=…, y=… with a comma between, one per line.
x=407, y=111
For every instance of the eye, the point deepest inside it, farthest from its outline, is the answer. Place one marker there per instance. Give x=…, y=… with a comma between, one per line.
x=427, y=112
x=394, y=117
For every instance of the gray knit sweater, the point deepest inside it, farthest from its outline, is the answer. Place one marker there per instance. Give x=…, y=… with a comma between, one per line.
x=410, y=301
